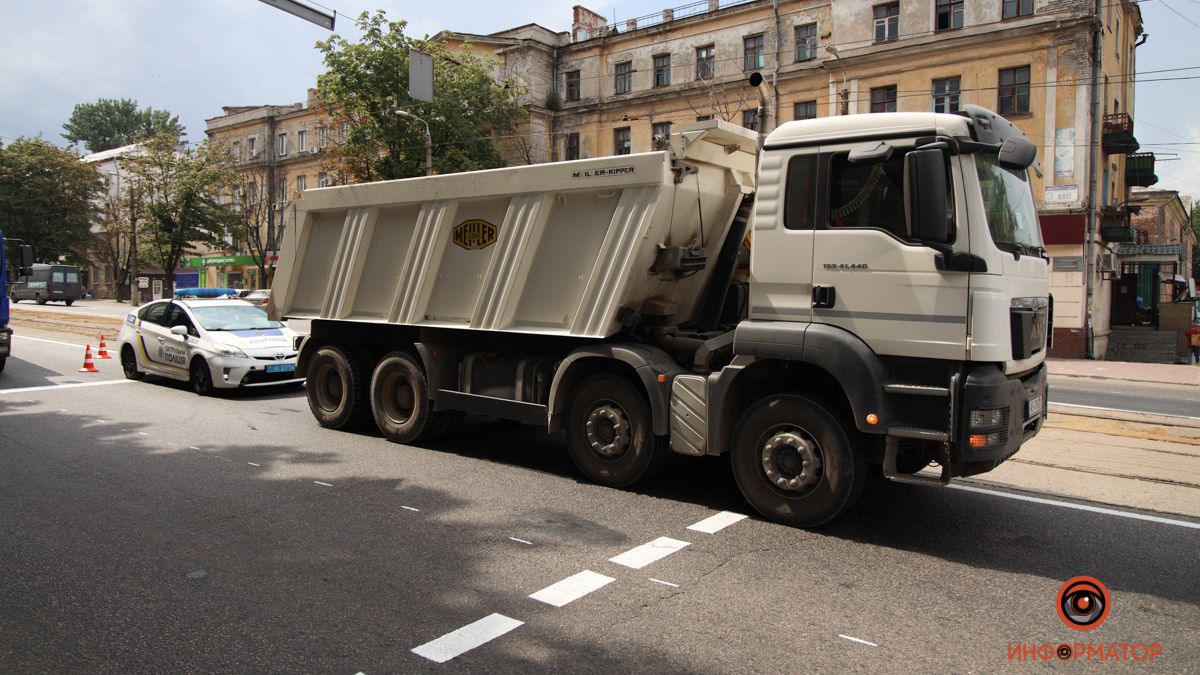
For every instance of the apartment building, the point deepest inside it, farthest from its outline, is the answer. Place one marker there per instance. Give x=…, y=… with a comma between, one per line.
x=279, y=150
x=1061, y=70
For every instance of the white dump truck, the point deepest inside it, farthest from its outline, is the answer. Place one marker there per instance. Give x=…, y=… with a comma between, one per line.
x=862, y=293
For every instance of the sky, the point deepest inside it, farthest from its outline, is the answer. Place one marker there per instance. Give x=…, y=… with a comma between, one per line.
x=192, y=57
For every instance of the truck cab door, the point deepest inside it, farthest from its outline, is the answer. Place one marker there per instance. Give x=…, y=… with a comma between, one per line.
x=871, y=276
x=781, y=250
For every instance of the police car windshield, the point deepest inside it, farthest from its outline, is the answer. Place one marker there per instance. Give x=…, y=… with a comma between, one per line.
x=232, y=317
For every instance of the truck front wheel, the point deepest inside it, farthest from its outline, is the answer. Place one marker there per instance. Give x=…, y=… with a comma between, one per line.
x=794, y=462
x=610, y=433
x=336, y=388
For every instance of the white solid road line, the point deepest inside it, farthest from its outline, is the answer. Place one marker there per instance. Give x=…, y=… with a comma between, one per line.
x=467, y=638
x=854, y=639
x=1078, y=507
x=720, y=521
x=1124, y=410
x=572, y=588
x=64, y=386
x=53, y=342
x=639, y=557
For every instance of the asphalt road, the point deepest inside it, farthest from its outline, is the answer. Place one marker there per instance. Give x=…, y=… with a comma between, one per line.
x=147, y=529
x=1148, y=397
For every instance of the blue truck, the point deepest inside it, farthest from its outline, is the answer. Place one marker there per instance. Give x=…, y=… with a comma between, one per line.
x=26, y=257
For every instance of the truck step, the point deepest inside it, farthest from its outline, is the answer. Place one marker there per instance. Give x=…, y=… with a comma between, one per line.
x=916, y=390
x=921, y=434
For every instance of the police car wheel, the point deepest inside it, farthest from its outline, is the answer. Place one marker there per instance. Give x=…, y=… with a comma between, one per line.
x=129, y=364
x=201, y=377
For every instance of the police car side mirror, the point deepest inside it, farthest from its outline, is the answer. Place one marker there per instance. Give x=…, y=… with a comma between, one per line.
x=179, y=330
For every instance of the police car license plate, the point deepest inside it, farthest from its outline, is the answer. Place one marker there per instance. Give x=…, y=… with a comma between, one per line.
x=281, y=367
x=1034, y=407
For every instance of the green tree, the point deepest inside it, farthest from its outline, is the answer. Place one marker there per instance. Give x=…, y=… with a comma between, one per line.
x=366, y=82
x=111, y=123
x=47, y=198
x=178, y=189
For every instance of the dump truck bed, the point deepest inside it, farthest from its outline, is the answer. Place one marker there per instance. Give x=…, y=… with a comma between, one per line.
x=553, y=249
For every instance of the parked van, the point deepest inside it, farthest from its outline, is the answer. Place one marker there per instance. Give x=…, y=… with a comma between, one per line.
x=48, y=282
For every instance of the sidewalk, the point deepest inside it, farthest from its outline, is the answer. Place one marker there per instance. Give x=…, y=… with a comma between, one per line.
x=1159, y=373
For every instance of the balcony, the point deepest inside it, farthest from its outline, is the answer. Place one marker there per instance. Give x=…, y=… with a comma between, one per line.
x=1139, y=169
x=1117, y=138
x=1115, y=225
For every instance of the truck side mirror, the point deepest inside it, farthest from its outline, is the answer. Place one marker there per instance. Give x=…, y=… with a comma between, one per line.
x=1017, y=152
x=926, y=188
x=26, y=260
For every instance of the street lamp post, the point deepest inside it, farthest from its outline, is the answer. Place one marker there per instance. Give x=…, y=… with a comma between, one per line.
x=845, y=93
x=428, y=140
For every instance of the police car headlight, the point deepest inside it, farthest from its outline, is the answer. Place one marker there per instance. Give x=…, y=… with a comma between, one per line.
x=232, y=352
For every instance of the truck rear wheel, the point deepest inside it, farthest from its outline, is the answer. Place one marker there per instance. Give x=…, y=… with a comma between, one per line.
x=794, y=462
x=336, y=388
x=610, y=432
x=400, y=401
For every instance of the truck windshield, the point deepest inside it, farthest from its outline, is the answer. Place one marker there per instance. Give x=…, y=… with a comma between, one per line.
x=1008, y=200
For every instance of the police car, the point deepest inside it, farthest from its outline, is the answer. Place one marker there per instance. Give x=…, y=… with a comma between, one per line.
x=207, y=338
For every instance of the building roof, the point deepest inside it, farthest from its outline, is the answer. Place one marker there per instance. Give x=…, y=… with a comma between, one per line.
x=1149, y=249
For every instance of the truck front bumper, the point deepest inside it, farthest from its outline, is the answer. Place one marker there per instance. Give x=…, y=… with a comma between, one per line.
x=999, y=413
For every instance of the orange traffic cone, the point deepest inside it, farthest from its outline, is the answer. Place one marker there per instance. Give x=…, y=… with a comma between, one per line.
x=88, y=366
x=102, y=352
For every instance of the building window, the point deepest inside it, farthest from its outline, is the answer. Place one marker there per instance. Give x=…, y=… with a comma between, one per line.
x=806, y=42
x=282, y=193
x=252, y=193
x=883, y=99
x=662, y=70
x=706, y=61
x=323, y=136
x=750, y=119
x=1014, y=91
x=945, y=95
x=301, y=183
x=571, y=82
x=572, y=146
x=805, y=110
x=887, y=22
x=623, y=82
x=283, y=145
x=345, y=131
x=1014, y=8
x=250, y=147
x=322, y=179
x=660, y=130
x=302, y=141
x=756, y=53
x=621, y=144
x=237, y=150
x=703, y=118
x=949, y=14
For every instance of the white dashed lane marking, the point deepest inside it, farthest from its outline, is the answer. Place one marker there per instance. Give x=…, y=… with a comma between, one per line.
x=522, y=541
x=854, y=639
x=718, y=522
x=253, y=464
x=320, y=483
x=664, y=583
x=572, y=588
x=410, y=508
x=639, y=557
x=468, y=637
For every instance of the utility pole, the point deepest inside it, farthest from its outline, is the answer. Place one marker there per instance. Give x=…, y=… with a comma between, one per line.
x=845, y=93
x=428, y=141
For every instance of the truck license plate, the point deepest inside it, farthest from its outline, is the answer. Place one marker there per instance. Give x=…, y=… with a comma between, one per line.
x=281, y=367
x=1034, y=407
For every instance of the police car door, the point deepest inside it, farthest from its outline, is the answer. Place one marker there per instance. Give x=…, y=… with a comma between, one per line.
x=152, y=336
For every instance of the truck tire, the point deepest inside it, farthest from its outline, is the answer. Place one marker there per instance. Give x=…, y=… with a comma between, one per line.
x=400, y=401
x=39, y=299
x=610, y=432
x=336, y=388
x=69, y=302
x=3, y=359
x=795, y=463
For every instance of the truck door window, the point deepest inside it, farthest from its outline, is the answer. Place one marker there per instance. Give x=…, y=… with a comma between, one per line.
x=868, y=195
x=800, y=201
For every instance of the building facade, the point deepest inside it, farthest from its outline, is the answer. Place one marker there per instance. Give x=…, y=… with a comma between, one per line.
x=1061, y=70
x=279, y=151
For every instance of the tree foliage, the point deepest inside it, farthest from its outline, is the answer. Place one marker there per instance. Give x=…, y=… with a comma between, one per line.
x=111, y=123
x=366, y=82
x=255, y=224
x=46, y=199
x=178, y=189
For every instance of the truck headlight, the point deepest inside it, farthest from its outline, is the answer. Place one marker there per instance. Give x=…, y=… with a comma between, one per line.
x=988, y=418
x=232, y=352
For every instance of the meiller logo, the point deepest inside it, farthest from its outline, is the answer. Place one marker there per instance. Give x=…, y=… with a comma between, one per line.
x=474, y=234
x=1083, y=604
